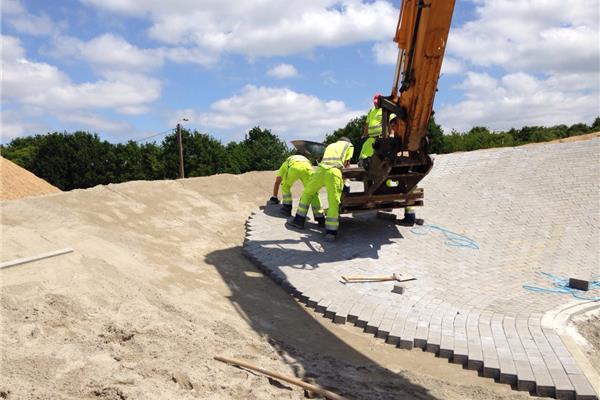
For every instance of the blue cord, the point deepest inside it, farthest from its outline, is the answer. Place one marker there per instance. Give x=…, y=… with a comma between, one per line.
x=452, y=239
x=561, y=285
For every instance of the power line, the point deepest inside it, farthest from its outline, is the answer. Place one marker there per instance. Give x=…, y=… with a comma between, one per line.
x=156, y=134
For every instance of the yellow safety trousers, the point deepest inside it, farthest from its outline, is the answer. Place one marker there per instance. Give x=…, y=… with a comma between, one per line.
x=366, y=150
x=302, y=171
x=331, y=178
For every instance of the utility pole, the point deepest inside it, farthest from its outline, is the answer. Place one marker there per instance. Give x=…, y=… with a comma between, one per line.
x=181, y=171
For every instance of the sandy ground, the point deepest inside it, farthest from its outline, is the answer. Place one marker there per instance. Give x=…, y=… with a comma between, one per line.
x=588, y=326
x=157, y=286
x=16, y=182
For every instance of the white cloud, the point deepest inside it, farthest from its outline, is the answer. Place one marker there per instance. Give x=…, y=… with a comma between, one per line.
x=16, y=16
x=289, y=114
x=282, y=71
x=546, y=36
x=260, y=28
x=537, y=64
x=27, y=83
x=385, y=52
x=95, y=122
x=451, y=66
x=44, y=85
x=107, y=53
x=519, y=99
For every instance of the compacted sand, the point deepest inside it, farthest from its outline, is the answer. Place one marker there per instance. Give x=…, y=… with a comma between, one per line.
x=157, y=286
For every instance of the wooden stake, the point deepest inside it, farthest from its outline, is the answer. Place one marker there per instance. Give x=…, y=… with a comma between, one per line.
x=294, y=381
x=180, y=143
x=19, y=261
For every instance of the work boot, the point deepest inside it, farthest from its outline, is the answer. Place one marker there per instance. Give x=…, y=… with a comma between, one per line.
x=320, y=220
x=330, y=235
x=297, y=222
x=286, y=209
x=408, y=220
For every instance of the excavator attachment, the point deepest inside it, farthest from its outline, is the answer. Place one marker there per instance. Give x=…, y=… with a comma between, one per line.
x=401, y=158
x=312, y=150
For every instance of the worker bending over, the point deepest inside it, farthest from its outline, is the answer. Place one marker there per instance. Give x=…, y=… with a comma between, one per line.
x=329, y=174
x=292, y=169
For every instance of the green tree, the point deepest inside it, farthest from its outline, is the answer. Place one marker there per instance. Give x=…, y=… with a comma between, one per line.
x=204, y=155
x=128, y=162
x=236, y=158
x=70, y=161
x=578, y=129
x=435, y=134
x=153, y=165
x=262, y=150
x=22, y=151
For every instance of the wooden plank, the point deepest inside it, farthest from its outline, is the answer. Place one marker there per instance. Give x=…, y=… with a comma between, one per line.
x=293, y=380
x=26, y=260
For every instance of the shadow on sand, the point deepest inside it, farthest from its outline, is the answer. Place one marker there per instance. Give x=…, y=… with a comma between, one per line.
x=314, y=353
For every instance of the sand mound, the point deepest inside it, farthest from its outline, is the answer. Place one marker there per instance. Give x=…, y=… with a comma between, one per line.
x=17, y=182
x=157, y=285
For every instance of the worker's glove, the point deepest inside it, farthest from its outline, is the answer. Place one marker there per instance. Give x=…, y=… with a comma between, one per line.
x=273, y=200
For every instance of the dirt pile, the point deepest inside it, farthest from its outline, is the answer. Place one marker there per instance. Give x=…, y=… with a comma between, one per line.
x=17, y=182
x=157, y=285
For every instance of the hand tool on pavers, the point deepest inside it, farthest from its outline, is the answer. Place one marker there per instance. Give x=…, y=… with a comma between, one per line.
x=393, y=277
x=294, y=381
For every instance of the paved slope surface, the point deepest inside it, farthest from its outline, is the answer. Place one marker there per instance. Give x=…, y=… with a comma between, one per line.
x=496, y=220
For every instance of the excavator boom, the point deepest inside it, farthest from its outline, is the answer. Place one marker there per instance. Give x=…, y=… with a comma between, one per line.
x=391, y=175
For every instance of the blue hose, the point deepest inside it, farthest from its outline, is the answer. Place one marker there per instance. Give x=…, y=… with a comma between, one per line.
x=452, y=239
x=561, y=285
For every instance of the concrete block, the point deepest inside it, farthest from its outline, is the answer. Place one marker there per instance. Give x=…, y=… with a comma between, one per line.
x=375, y=319
x=446, y=346
x=384, y=328
x=365, y=315
x=475, y=363
x=399, y=289
x=583, y=388
x=421, y=333
x=355, y=311
x=491, y=367
x=581, y=284
x=322, y=305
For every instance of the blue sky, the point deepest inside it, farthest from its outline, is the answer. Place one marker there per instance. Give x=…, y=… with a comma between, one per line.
x=126, y=69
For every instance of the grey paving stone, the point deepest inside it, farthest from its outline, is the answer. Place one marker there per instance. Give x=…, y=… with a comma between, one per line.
x=365, y=315
x=468, y=303
x=385, y=326
x=376, y=318
x=583, y=388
